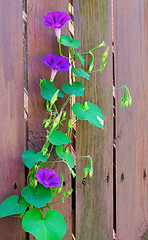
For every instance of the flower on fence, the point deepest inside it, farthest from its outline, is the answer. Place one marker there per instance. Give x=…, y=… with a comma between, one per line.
x=48, y=177
x=56, y=20
x=56, y=63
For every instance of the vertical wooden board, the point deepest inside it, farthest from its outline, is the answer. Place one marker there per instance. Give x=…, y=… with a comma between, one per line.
x=131, y=55
x=41, y=40
x=11, y=111
x=94, y=199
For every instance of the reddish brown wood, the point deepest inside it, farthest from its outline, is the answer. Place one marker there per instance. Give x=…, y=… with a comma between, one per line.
x=94, y=200
x=11, y=111
x=41, y=40
x=131, y=55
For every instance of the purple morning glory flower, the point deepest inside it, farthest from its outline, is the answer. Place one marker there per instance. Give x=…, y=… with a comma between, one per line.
x=56, y=20
x=56, y=63
x=48, y=177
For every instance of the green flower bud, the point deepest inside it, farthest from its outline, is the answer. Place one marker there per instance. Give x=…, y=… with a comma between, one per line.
x=91, y=172
x=54, y=98
x=126, y=103
x=122, y=102
x=130, y=101
x=86, y=171
x=91, y=67
x=59, y=190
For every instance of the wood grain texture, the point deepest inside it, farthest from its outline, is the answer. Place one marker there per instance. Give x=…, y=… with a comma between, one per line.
x=41, y=40
x=11, y=111
x=94, y=200
x=131, y=55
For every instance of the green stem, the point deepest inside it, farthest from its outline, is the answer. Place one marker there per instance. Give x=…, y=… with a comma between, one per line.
x=60, y=49
x=108, y=93
x=55, y=202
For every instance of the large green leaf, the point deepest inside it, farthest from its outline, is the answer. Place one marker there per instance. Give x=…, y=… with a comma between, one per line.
x=61, y=152
x=48, y=89
x=11, y=206
x=89, y=112
x=58, y=138
x=76, y=89
x=78, y=55
x=69, y=42
x=30, y=158
x=38, y=196
x=80, y=73
x=50, y=227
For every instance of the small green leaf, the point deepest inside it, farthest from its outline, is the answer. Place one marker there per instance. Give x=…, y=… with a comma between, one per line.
x=68, y=157
x=69, y=42
x=78, y=55
x=48, y=89
x=38, y=196
x=50, y=227
x=89, y=112
x=76, y=89
x=30, y=158
x=80, y=73
x=58, y=138
x=11, y=206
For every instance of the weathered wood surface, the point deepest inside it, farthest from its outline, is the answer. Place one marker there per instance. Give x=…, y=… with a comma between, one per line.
x=131, y=56
x=94, y=199
x=11, y=111
x=41, y=40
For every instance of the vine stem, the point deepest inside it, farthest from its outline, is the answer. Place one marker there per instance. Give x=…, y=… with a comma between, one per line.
x=108, y=93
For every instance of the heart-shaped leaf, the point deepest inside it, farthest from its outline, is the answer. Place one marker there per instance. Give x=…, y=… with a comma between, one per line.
x=80, y=73
x=76, y=89
x=50, y=227
x=30, y=158
x=69, y=42
x=89, y=112
x=61, y=152
x=38, y=196
x=11, y=206
x=78, y=55
x=48, y=89
x=58, y=138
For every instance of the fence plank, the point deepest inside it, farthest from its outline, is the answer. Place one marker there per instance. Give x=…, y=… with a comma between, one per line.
x=131, y=55
x=41, y=41
x=94, y=200
x=11, y=111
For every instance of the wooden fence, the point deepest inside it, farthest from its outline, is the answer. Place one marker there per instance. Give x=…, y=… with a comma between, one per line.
x=117, y=195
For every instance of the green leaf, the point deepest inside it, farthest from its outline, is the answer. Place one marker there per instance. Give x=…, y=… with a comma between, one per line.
x=89, y=112
x=38, y=196
x=11, y=206
x=30, y=158
x=48, y=89
x=78, y=55
x=58, y=138
x=69, y=42
x=76, y=89
x=50, y=227
x=80, y=73
x=68, y=157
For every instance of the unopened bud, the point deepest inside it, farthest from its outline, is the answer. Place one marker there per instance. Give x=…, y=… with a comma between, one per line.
x=54, y=98
x=130, y=101
x=86, y=171
x=91, y=67
x=91, y=172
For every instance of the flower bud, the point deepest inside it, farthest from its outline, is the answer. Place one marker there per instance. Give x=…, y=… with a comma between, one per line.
x=54, y=98
x=86, y=171
x=130, y=101
x=91, y=172
x=91, y=67
x=122, y=102
x=59, y=190
x=126, y=103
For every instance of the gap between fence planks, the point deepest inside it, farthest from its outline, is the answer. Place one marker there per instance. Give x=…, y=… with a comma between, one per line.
x=41, y=40
x=94, y=199
x=131, y=56
x=11, y=112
